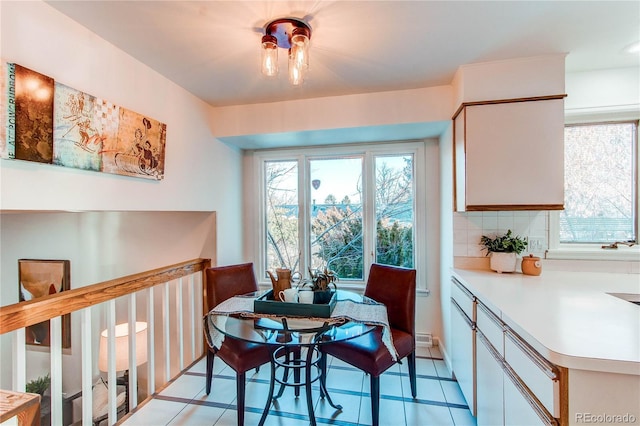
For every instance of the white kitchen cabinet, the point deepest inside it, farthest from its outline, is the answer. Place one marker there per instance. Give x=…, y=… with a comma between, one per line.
x=490, y=383
x=518, y=410
x=505, y=380
x=464, y=342
x=489, y=367
x=540, y=376
x=509, y=155
x=553, y=372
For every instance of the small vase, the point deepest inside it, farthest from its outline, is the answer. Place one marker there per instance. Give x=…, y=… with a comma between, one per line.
x=503, y=262
x=531, y=265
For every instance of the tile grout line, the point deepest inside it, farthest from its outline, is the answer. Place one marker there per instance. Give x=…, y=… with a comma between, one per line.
x=283, y=415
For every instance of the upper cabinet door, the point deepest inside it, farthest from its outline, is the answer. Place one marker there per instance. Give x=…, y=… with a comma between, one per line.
x=509, y=155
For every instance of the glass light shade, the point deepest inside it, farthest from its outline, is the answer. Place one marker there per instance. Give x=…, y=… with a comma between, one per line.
x=300, y=50
x=269, y=56
x=122, y=346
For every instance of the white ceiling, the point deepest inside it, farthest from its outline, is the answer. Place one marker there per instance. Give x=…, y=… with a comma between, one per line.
x=212, y=48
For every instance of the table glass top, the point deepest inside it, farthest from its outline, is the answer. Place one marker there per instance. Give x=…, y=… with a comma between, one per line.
x=294, y=330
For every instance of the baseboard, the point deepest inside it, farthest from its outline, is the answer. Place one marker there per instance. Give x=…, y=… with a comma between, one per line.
x=445, y=354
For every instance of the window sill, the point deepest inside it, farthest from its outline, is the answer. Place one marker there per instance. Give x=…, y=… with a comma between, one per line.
x=594, y=252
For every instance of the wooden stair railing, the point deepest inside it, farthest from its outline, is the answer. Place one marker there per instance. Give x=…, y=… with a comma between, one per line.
x=24, y=314
x=18, y=316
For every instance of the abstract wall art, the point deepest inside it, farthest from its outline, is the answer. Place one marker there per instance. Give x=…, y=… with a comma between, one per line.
x=49, y=122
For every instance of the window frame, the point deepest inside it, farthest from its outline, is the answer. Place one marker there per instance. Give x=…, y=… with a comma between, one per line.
x=368, y=152
x=594, y=251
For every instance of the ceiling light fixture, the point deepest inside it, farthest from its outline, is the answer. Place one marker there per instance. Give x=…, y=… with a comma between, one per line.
x=286, y=33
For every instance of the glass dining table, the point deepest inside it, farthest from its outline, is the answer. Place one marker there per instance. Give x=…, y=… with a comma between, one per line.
x=294, y=344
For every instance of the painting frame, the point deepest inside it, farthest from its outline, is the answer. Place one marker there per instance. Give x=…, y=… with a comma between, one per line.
x=38, y=278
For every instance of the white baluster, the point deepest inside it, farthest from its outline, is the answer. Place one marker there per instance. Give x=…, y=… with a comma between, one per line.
x=151, y=350
x=56, y=369
x=165, y=328
x=180, y=325
x=112, y=409
x=192, y=317
x=133, y=369
x=87, y=363
x=19, y=360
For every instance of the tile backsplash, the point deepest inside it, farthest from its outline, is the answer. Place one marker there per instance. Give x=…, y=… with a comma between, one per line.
x=469, y=227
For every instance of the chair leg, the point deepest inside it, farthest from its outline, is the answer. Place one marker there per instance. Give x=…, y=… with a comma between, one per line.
x=412, y=373
x=240, y=387
x=375, y=400
x=209, y=377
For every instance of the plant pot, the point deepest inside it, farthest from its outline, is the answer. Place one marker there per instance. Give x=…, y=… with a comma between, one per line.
x=503, y=262
x=322, y=296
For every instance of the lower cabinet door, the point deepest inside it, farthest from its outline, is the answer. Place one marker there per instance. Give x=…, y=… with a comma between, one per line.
x=521, y=408
x=490, y=383
x=517, y=410
x=462, y=354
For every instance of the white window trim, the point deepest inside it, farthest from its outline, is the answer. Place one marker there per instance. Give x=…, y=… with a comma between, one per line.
x=417, y=148
x=584, y=251
x=561, y=251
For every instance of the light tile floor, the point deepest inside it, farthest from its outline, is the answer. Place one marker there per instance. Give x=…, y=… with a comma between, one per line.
x=439, y=401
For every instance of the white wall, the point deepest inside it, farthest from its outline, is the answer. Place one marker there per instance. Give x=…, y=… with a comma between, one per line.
x=603, y=91
x=446, y=242
x=128, y=225
x=201, y=174
x=431, y=104
x=100, y=246
x=510, y=79
x=429, y=316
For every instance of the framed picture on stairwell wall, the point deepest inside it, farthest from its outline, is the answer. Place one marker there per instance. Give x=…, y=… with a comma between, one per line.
x=39, y=278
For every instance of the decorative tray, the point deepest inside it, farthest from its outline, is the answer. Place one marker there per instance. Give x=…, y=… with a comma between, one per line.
x=266, y=304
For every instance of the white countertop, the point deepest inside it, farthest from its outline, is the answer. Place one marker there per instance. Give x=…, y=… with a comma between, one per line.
x=567, y=316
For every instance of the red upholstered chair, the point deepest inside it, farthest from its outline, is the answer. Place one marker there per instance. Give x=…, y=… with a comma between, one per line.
x=224, y=282
x=395, y=287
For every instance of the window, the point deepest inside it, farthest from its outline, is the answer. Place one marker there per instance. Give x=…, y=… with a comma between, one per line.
x=281, y=248
x=394, y=210
x=342, y=211
x=600, y=183
x=336, y=232
x=601, y=193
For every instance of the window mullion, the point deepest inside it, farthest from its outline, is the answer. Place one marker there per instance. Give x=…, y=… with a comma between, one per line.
x=304, y=221
x=368, y=213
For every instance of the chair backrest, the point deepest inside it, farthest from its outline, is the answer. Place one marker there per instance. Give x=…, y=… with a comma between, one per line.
x=224, y=282
x=396, y=288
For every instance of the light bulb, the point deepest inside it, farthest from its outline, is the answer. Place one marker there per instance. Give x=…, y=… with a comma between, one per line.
x=296, y=73
x=269, y=55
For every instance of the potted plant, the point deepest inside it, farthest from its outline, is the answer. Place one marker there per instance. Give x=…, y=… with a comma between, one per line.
x=503, y=250
x=39, y=385
x=320, y=283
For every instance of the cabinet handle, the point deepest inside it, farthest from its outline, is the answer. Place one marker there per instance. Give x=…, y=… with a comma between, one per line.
x=534, y=402
x=551, y=370
x=493, y=317
x=494, y=353
x=464, y=315
x=463, y=289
